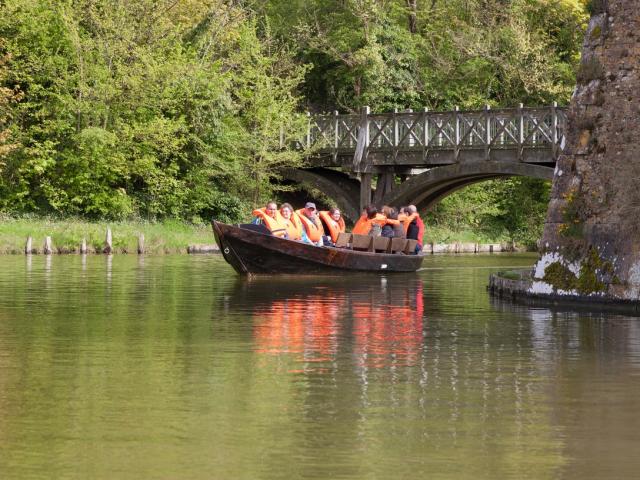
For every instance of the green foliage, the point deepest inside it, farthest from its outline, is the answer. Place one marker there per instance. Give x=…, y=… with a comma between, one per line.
x=511, y=209
x=159, y=109
x=466, y=53
x=144, y=109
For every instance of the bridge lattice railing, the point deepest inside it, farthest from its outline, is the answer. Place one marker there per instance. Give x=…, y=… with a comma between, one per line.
x=522, y=128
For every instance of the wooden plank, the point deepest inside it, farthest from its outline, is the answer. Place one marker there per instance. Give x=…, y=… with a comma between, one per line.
x=397, y=245
x=362, y=242
x=381, y=244
x=343, y=240
x=411, y=247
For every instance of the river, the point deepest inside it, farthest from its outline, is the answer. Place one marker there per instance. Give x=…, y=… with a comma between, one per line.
x=172, y=367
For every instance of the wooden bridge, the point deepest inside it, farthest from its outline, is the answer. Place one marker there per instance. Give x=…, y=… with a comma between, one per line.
x=420, y=157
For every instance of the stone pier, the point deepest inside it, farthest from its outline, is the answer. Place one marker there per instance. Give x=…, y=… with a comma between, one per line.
x=590, y=247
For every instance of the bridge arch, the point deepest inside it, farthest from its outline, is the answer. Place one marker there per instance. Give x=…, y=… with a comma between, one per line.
x=429, y=187
x=338, y=186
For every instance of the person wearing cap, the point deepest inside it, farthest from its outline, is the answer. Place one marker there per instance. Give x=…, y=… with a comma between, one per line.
x=311, y=222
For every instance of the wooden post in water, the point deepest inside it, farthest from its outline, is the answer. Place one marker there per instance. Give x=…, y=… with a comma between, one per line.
x=47, y=246
x=108, y=243
x=140, y=243
x=28, y=248
x=83, y=247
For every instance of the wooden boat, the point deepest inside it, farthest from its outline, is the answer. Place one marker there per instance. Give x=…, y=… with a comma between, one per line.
x=252, y=249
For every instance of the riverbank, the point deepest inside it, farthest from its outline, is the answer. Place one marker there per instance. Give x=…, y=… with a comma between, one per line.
x=173, y=236
x=67, y=235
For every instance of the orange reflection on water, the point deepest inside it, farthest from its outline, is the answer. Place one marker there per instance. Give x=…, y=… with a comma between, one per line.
x=382, y=326
x=306, y=327
x=389, y=333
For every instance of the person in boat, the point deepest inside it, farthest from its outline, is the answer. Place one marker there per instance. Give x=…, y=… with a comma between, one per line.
x=415, y=227
x=311, y=223
x=370, y=222
x=295, y=230
x=333, y=223
x=406, y=218
x=270, y=217
x=393, y=227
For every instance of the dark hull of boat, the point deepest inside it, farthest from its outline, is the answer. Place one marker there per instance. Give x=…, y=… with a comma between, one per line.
x=248, y=251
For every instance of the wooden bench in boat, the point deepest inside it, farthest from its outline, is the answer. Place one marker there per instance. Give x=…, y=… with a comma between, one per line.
x=366, y=243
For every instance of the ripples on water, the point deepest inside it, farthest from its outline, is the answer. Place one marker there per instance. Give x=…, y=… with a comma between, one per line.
x=173, y=367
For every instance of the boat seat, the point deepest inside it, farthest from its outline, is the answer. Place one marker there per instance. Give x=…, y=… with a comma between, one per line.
x=381, y=244
x=397, y=245
x=362, y=242
x=343, y=240
x=411, y=247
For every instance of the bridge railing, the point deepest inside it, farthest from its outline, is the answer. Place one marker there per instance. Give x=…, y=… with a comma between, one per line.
x=397, y=132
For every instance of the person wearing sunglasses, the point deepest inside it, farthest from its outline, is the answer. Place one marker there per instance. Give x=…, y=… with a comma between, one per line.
x=312, y=224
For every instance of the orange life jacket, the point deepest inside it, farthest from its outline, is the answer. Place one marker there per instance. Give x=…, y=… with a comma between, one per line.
x=334, y=227
x=406, y=220
x=314, y=229
x=277, y=225
x=294, y=227
x=364, y=224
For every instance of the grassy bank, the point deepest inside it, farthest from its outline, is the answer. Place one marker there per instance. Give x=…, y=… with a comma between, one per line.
x=162, y=237
x=67, y=235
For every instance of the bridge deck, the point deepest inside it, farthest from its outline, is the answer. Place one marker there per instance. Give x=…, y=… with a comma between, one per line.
x=364, y=141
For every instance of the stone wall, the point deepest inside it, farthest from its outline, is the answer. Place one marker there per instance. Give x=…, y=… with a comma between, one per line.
x=591, y=240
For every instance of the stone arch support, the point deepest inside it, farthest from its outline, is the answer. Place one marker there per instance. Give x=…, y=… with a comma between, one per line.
x=429, y=187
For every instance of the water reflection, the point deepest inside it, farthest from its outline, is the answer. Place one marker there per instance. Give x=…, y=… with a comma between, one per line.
x=171, y=367
x=380, y=319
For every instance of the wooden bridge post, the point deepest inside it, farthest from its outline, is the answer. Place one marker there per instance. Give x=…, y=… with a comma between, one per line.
x=362, y=145
x=456, y=148
x=487, y=132
x=411, y=132
x=555, y=148
x=365, y=190
x=520, y=133
x=336, y=135
x=396, y=133
x=425, y=113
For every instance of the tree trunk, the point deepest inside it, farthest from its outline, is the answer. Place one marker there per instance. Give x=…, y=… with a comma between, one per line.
x=413, y=20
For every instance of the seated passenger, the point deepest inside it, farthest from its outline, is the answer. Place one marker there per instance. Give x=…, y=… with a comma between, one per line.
x=295, y=230
x=333, y=223
x=311, y=223
x=415, y=229
x=271, y=218
x=370, y=222
x=406, y=218
x=393, y=227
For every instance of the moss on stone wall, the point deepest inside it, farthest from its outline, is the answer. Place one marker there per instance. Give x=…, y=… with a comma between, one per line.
x=595, y=273
x=559, y=276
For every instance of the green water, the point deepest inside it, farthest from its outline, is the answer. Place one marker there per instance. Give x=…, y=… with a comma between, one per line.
x=173, y=368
